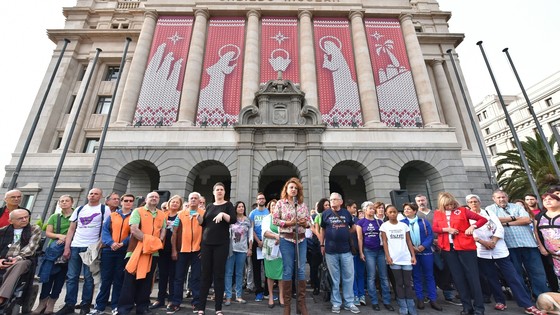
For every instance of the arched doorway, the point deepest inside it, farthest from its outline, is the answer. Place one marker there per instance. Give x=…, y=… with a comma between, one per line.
x=273, y=177
x=419, y=177
x=138, y=178
x=204, y=175
x=347, y=179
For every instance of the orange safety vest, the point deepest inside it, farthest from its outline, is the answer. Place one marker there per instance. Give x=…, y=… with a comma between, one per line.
x=148, y=225
x=120, y=229
x=189, y=231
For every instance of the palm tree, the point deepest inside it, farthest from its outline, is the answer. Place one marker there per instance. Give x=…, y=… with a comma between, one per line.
x=386, y=47
x=513, y=178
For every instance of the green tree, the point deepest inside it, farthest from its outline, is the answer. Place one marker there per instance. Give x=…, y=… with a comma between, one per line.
x=513, y=177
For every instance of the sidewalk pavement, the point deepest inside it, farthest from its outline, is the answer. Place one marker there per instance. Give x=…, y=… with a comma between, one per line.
x=315, y=306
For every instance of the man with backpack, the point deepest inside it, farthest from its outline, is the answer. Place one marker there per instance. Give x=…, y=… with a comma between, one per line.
x=86, y=224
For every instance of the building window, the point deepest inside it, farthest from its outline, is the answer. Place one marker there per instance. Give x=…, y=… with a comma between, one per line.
x=82, y=72
x=479, y=117
x=112, y=73
x=484, y=114
x=487, y=131
x=27, y=201
x=103, y=104
x=58, y=143
x=71, y=104
x=549, y=102
x=91, y=145
x=493, y=150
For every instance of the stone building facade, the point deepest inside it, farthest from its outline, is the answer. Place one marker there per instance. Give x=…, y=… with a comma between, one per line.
x=353, y=96
x=545, y=99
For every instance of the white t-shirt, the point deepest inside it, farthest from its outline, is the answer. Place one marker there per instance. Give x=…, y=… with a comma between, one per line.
x=89, y=225
x=396, y=240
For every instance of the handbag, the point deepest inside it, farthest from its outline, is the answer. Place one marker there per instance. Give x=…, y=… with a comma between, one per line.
x=325, y=280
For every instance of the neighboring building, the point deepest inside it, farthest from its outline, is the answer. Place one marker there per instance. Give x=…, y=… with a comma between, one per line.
x=545, y=98
x=367, y=101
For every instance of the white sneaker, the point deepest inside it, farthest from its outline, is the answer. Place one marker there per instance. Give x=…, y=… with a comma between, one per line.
x=352, y=308
x=115, y=311
x=95, y=312
x=335, y=309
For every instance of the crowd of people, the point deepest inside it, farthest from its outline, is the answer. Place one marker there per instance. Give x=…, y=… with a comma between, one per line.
x=470, y=252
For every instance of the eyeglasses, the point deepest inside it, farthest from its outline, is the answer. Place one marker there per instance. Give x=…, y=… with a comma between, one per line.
x=333, y=199
x=473, y=201
x=128, y=200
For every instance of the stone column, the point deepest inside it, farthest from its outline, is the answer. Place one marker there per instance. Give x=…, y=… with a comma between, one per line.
x=308, y=72
x=136, y=72
x=251, y=63
x=82, y=114
x=119, y=94
x=368, y=96
x=193, y=71
x=448, y=105
x=420, y=76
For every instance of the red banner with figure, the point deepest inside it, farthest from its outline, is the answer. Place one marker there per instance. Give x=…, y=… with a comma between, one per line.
x=223, y=69
x=279, y=48
x=398, y=104
x=339, y=99
x=160, y=93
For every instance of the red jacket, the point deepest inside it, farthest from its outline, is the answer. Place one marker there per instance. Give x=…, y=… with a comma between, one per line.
x=459, y=220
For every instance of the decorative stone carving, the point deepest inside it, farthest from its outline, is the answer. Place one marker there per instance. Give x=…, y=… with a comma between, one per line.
x=279, y=103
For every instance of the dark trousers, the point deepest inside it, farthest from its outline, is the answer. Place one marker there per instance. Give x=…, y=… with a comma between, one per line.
x=551, y=277
x=314, y=258
x=112, y=272
x=136, y=292
x=257, y=270
x=166, y=267
x=213, y=267
x=184, y=260
x=489, y=270
x=53, y=288
x=463, y=265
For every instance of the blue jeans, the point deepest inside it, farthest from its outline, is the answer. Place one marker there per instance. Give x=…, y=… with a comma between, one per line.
x=423, y=276
x=184, y=260
x=489, y=270
x=341, y=265
x=75, y=266
x=376, y=258
x=235, y=262
x=530, y=258
x=112, y=272
x=288, y=251
x=359, y=276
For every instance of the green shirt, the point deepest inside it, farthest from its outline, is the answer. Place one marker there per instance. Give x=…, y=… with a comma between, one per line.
x=64, y=223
